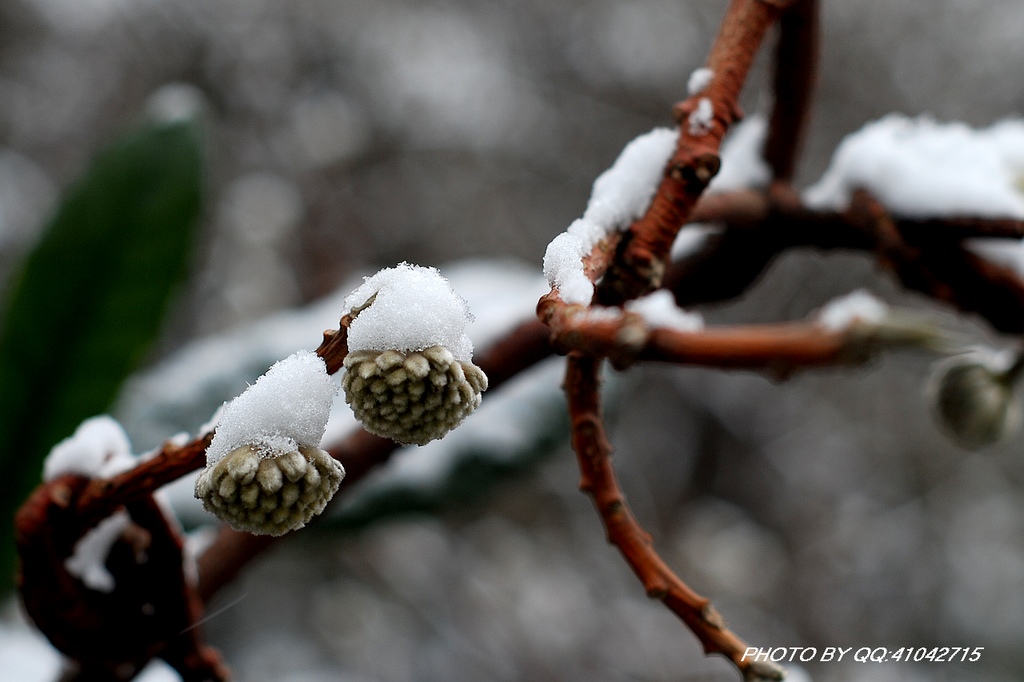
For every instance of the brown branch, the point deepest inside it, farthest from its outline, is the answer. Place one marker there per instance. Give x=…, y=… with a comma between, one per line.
x=103, y=495
x=598, y=479
x=333, y=349
x=641, y=259
x=761, y=225
x=625, y=338
x=795, y=73
x=152, y=609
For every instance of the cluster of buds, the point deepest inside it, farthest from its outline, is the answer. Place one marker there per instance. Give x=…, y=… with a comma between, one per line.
x=408, y=376
x=269, y=495
x=412, y=397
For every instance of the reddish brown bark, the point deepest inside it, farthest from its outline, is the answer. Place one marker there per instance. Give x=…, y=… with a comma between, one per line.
x=794, y=76
x=152, y=610
x=642, y=253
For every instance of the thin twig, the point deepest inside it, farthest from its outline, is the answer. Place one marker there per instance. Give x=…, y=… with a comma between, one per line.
x=642, y=253
x=795, y=73
x=625, y=338
x=598, y=479
x=102, y=496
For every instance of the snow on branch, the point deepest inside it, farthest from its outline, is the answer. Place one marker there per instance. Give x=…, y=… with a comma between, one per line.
x=620, y=195
x=99, y=448
x=918, y=167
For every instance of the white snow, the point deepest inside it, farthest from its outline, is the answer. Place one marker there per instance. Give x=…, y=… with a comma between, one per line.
x=89, y=558
x=99, y=448
x=701, y=118
x=858, y=306
x=699, y=80
x=412, y=308
x=920, y=168
x=620, y=196
x=563, y=266
x=692, y=239
x=743, y=164
x=659, y=309
x=286, y=407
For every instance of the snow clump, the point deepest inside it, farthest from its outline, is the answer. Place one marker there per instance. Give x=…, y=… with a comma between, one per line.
x=856, y=307
x=702, y=117
x=408, y=308
x=920, y=168
x=699, y=80
x=286, y=407
x=660, y=310
x=99, y=448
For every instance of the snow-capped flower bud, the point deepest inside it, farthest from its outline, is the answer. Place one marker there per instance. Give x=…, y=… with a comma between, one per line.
x=413, y=397
x=409, y=374
x=972, y=397
x=265, y=472
x=269, y=495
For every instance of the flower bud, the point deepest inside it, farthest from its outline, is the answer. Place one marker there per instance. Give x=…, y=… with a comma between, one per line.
x=412, y=397
x=269, y=495
x=972, y=397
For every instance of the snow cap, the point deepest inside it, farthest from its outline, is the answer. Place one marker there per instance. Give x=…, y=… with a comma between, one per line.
x=286, y=407
x=99, y=448
x=408, y=308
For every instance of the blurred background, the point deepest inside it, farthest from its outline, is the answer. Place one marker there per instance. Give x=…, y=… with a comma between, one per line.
x=346, y=135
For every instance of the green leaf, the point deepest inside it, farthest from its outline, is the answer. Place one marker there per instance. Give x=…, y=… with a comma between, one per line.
x=90, y=298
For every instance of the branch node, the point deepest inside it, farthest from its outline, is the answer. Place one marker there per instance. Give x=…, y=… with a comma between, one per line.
x=658, y=592
x=762, y=671
x=713, y=617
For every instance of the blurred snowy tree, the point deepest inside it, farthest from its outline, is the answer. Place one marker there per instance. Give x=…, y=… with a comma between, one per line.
x=828, y=510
